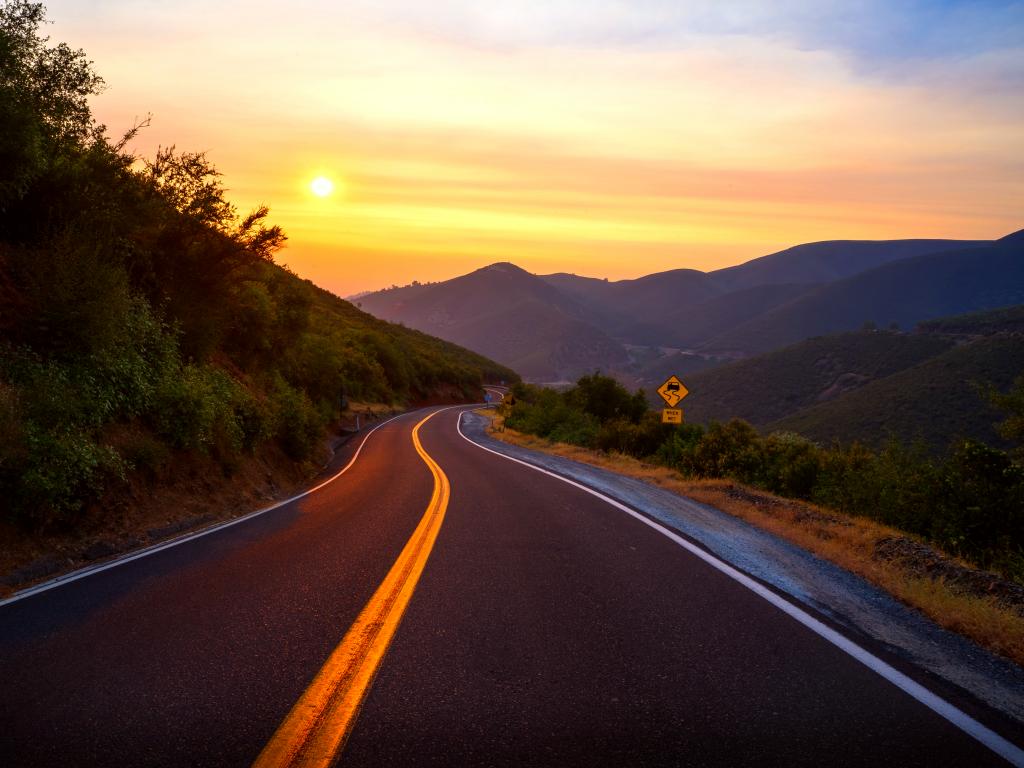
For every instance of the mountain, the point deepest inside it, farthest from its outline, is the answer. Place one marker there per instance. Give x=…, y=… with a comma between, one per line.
x=510, y=315
x=686, y=308
x=903, y=292
x=558, y=326
x=626, y=308
x=694, y=324
x=829, y=260
x=651, y=298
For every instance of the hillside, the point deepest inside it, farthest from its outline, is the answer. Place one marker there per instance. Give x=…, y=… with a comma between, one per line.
x=904, y=292
x=650, y=299
x=509, y=314
x=936, y=401
x=694, y=324
x=868, y=385
x=984, y=323
x=147, y=338
x=772, y=386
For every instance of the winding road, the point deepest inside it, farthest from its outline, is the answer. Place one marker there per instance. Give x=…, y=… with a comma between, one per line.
x=432, y=602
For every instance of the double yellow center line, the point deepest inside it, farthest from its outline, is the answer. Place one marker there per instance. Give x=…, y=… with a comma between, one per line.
x=315, y=730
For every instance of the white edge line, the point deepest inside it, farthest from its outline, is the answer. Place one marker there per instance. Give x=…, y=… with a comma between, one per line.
x=1002, y=747
x=89, y=570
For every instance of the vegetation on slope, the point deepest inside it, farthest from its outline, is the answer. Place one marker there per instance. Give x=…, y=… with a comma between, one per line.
x=141, y=315
x=867, y=386
x=935, y=401
x=773, y=386
x=969, y=502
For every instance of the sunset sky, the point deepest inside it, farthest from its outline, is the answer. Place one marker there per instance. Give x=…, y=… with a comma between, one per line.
x=611, y=139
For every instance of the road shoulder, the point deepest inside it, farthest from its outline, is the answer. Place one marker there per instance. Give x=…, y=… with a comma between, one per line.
x=846, y=600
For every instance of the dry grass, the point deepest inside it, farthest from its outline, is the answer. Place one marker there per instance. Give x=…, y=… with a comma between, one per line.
x=848, y=541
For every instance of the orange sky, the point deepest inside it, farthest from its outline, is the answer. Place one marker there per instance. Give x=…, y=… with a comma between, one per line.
x=608, y=139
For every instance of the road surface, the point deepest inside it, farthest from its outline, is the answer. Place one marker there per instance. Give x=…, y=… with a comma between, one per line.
x=437, y=604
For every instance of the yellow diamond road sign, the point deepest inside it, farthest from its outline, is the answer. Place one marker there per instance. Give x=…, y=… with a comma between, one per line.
x=672, y=391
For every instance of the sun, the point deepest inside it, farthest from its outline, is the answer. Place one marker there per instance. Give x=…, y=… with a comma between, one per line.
x=321, y=186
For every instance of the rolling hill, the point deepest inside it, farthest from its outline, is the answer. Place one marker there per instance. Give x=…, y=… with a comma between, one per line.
x=559, y=326
x=936, y=401
x=694, y=324
x=829, y=260
x=510, y=315
x=904, y=292
x=778, y=384
x=868, y=385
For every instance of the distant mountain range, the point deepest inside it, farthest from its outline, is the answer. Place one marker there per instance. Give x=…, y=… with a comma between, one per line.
x=557, y=327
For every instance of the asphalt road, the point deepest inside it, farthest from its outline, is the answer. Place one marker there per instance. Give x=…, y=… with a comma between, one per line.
x=547, y=628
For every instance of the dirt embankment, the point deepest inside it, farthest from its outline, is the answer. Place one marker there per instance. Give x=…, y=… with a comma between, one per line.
x=189, y=491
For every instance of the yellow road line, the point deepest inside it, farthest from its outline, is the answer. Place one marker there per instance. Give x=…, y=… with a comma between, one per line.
x=315, y=730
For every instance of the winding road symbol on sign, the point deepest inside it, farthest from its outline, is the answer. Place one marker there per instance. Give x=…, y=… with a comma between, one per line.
x=672, y=391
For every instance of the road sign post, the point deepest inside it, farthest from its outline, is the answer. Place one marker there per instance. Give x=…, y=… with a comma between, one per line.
x=672, y=416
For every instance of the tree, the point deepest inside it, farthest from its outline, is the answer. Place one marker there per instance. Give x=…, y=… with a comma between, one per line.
x=604, y=398
x=1012, y=404
x=44, y=93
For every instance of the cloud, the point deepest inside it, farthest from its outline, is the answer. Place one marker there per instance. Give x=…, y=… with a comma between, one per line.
x=623, y=130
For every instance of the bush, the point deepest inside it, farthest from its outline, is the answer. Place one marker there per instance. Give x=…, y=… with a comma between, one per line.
x=62, y=473
x=980, y=501
x=727, y=450
x=298, y=425
x=791, y=465
x=605, y=399
x=847, y=479
x=203, y=408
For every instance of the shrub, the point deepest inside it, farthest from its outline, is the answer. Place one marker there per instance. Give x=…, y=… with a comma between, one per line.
x=62, y=473
x=791, y=465
x=197, y=410
x=298, y=425
x=726, y=450
x=972, y=503
x=980, y=501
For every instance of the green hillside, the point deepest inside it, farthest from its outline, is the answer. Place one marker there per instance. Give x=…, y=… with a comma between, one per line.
x=1004, y=320
x=142, y=317
x=936, y=401
x=870, y=385
x=772, y=386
